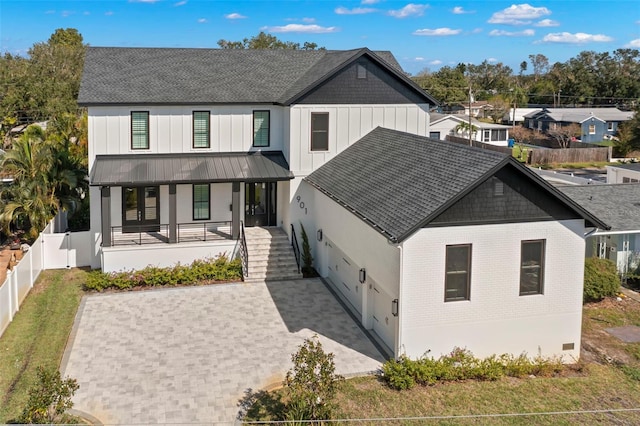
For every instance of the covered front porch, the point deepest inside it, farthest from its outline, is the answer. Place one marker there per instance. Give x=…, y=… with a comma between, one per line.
x=161, y=209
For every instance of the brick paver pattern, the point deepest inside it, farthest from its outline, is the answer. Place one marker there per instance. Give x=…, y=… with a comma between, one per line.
x=189, y=355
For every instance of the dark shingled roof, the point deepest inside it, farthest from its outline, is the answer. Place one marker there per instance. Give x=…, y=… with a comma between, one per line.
x=189, y=168
x=616, y=204
x=118, y=76
x=398, y=182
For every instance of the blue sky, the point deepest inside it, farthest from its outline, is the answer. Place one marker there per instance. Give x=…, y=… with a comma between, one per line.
x=420, y=34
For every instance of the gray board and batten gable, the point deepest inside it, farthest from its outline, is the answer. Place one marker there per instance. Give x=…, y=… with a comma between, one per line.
x=399, y=182
x=617, y=204
x=158, y=169
x=186, y=76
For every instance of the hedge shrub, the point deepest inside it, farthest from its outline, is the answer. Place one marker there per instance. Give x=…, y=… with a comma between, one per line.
x=460, y=364
x=600, y=279
x=219, y=269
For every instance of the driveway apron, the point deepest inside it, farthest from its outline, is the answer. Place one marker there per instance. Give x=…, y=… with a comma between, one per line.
x=189, y=355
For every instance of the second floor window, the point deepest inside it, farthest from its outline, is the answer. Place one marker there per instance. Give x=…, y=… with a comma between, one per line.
x=140, y=130
x=319, y=131
x=201, y=129
x=260, y=128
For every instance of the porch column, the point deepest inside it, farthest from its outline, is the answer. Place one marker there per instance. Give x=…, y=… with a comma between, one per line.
x=173, y=224
x=105, y=210
x=235, y=210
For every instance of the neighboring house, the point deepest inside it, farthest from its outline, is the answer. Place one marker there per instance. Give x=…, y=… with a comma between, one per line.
x=457, y=125
x=184, y=144
x=619, y=206
x=596, y=124
x=430, y=244
x=517, y=115
x=623, y=173
x=436, y=245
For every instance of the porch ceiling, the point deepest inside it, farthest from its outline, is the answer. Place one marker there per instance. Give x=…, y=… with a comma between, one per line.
x=142, y=169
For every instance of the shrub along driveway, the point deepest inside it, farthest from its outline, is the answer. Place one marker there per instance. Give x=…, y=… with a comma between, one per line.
x=189, y=355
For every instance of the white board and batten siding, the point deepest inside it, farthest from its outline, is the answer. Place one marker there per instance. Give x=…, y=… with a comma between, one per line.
x=171, y=129
x=496, y=319
x=347, y=124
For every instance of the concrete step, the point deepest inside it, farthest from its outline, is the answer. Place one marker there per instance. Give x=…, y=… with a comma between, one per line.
x=271, y=256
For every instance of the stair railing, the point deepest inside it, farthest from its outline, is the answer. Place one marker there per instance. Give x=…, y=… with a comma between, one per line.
x=294, y=244
x=244, y=253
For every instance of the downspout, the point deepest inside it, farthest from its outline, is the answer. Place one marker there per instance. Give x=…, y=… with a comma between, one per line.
x=398, y=341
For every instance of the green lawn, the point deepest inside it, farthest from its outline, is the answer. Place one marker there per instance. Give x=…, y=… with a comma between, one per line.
x=591, y=385
x=37, y=336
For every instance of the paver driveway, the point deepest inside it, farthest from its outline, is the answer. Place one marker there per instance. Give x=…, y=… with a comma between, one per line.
x=188, y=355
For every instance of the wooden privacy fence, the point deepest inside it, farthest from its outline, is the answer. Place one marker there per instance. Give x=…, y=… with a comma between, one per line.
x=488, y=146
x=569, y=155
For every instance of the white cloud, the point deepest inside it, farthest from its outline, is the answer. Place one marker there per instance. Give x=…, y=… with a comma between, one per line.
x=66, y=13
x=492, y=60
x=234, y=16
x=409, y=10
x=369, y=1
x=108, y=13
x=518, y=14
x=86, y=13
x=418, y=58
x=476, y=30
x=547, y=23
x=436, y=62
x=499, y=33
x=202, y=21
x=436, y=32
x=577, y=38
x=308, y=20
x=180, y=3
x=459, y=10
x=633, y=44
x=355, y=11
x=299, y=28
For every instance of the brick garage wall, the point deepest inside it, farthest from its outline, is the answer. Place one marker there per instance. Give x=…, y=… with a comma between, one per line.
x=496, y=319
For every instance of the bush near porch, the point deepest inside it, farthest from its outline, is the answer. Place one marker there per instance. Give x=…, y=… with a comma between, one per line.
x=219, y=269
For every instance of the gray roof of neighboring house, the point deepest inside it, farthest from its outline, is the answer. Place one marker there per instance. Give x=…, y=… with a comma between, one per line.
x=118, y=76
x=616, y=204
x=437, y=117
x=628, y=166
x=159, y=169
x=578, y=115
x=398, y=182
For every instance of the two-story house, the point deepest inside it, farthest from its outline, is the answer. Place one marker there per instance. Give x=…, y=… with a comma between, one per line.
x=430, y=244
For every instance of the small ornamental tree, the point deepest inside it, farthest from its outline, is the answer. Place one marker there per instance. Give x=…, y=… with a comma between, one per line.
x=49, y=398
x=310, y=386
x=307, y=258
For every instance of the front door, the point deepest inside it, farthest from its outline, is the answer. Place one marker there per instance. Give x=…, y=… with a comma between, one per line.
x=140, y=209
x=260, y=204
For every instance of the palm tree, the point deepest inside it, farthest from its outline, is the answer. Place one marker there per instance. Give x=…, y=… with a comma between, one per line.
x=44, y=181
x=463, y=129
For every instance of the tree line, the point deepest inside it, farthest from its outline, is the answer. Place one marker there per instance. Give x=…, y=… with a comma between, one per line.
x=589, y=79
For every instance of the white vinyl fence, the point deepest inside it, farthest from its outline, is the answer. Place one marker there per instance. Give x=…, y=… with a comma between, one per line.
x=50, y=251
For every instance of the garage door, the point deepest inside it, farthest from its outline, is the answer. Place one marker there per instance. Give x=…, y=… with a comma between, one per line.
x=343, y=273
x=383, y=320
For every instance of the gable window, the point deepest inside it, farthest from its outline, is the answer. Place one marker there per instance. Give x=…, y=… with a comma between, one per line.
x=260, y=128
x=140, y=130
x=532, y=267
x=362, y=71
x=458, y=272
x=319, y=131
x=201, y=129
x=201, y=201
x=592, y=129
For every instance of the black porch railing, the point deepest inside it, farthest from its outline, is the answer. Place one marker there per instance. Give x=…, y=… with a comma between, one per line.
x=294, y=244
x=244, y=253
x=159, y=234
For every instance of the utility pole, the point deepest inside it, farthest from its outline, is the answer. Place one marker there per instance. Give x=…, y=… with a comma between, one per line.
x=470, y=141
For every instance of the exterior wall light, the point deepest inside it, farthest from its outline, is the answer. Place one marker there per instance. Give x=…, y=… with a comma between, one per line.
x=362, y=275
x=394, y=307
x=319, y=234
